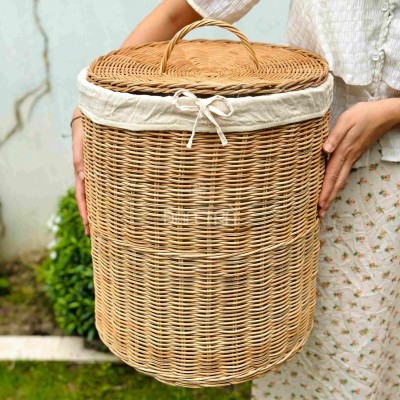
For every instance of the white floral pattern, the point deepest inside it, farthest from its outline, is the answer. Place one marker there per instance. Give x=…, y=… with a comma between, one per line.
x=353, y=352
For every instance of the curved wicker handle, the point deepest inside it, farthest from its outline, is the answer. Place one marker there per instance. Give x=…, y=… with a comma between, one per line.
x=206, y=22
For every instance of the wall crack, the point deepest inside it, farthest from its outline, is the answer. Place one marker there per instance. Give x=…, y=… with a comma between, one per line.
x=37, y=93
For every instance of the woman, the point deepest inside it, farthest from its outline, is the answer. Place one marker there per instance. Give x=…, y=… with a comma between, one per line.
x=354, y=349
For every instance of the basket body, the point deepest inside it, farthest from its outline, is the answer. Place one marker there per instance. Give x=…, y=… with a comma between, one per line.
x=205, y=259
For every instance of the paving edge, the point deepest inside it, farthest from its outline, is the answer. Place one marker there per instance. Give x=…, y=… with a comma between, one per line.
x=50, y=348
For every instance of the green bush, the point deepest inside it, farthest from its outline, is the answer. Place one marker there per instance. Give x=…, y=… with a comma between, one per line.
x=67, y=272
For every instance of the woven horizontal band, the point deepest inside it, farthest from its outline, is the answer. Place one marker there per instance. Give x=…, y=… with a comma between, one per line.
x=217, y=256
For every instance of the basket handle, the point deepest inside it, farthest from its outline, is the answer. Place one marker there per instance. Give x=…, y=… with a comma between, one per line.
x=206, y=22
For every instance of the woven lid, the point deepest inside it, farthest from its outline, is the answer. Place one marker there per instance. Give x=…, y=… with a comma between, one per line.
x=208, y=67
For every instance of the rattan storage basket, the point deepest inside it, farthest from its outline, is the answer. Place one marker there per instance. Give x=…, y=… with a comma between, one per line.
x=203, y=167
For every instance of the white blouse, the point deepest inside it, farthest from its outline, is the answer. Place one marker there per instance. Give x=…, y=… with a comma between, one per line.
x=360, y=39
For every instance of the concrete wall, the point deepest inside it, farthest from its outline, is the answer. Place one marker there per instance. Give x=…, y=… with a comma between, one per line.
x=43, y=46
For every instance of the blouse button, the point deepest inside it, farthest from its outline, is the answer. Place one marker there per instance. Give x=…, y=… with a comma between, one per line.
x=385, y=7
x=375, y=56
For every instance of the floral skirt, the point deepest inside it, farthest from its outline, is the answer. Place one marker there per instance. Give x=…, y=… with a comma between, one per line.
x=353, y=351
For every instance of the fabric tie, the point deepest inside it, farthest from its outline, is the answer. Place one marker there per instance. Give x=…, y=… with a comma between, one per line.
x=206, y=107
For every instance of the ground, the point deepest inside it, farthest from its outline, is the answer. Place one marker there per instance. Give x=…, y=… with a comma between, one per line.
x=24, y=308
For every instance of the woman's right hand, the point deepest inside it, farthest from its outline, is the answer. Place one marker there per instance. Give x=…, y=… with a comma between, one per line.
x=77, y=151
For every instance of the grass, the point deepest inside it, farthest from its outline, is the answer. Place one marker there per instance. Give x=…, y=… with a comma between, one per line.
x=106, y=381
x=24, y=307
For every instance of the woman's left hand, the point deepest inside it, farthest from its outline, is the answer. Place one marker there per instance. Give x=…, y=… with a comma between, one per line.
x=354, y=132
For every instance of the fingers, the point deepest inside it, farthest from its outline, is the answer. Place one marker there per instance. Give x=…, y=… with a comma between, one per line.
x=332, y=172
x=339, y=164
x=335, y=180
x=77, y=150
x=81, y=201
x=339, y=131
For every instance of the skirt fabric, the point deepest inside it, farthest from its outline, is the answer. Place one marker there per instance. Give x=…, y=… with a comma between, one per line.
x=353, y=351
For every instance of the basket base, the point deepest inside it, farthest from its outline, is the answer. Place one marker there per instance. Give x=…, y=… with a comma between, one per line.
x=232, y=380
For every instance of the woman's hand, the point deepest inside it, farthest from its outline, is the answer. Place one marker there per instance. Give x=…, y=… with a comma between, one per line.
x=354, y=132
x=77, y=151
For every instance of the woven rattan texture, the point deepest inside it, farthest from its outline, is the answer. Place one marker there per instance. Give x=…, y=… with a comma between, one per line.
x=204, y=259
x=208, y=67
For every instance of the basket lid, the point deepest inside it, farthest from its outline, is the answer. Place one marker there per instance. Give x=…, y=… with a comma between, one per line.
x=208, y=67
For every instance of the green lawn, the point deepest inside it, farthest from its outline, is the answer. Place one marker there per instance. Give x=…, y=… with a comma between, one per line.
x=102, y=381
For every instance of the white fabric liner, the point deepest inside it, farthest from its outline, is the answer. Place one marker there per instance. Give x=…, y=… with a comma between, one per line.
x=140, y=112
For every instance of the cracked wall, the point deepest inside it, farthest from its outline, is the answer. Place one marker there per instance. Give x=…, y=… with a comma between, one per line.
x=33, y=95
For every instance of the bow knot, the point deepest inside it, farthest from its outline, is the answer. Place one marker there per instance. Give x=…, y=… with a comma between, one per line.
x=204, y=107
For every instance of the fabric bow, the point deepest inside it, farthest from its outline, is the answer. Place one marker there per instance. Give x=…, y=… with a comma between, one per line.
x=203, y=107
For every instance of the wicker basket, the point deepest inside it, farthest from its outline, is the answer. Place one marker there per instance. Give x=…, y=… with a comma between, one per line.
x=205, y=253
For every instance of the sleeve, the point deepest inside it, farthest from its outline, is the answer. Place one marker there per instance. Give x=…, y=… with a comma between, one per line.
x=224, y=10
